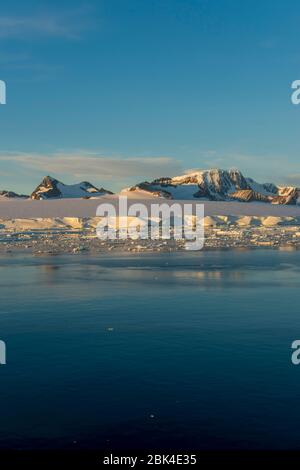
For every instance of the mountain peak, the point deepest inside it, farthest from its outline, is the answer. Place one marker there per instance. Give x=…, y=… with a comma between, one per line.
x=51, y=188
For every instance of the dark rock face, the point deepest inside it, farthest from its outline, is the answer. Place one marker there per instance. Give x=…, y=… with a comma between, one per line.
x=248, y=195
x=46, y=189
x=151, y=188
x=238, y=179
x=287, y=196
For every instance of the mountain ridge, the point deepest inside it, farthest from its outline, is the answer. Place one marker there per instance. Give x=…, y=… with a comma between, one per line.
x=218, y=185
x=213, y=184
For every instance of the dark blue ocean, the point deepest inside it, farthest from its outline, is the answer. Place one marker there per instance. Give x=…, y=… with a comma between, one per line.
x=177, y=351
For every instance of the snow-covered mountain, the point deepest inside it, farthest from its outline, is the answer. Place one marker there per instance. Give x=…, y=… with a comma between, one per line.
x=213, y=185
x=217, y=185
x=11, y=194
x=51, y=188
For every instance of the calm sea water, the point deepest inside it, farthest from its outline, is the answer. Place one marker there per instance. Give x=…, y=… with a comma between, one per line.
x=171, y=351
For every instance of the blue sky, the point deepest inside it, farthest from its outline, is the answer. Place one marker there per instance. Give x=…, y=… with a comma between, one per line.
x=113, y=91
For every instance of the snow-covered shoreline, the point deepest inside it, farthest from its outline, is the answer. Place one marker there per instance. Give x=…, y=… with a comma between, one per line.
x=75, y=235
x=69, y=225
